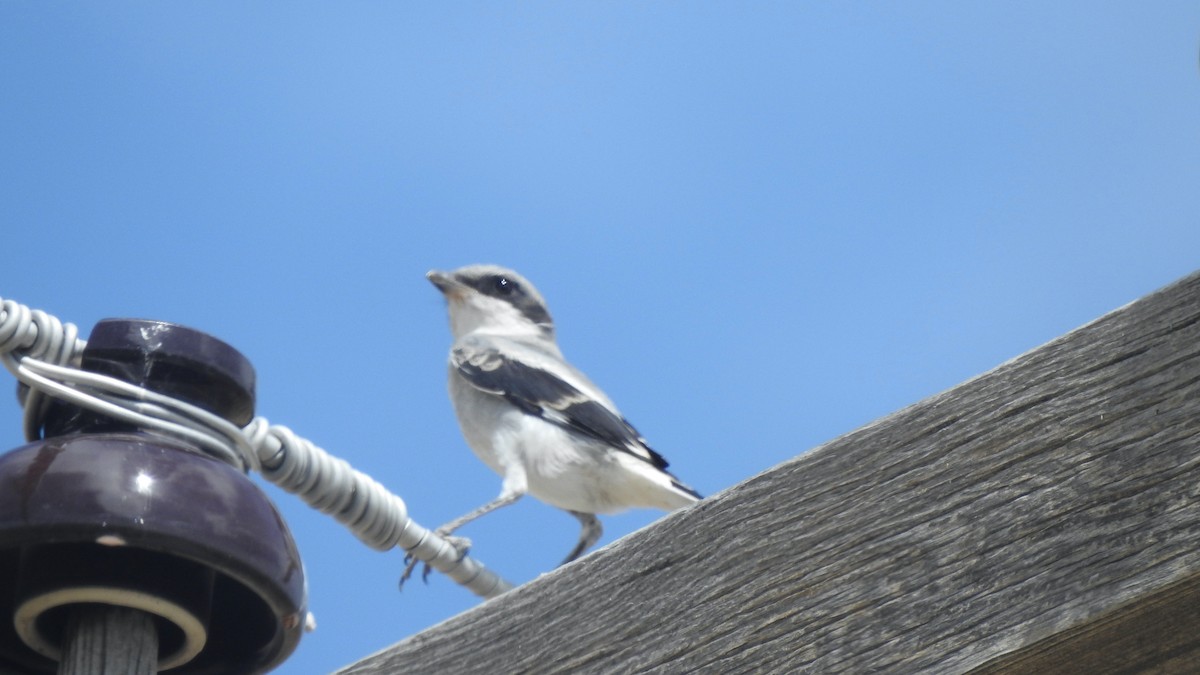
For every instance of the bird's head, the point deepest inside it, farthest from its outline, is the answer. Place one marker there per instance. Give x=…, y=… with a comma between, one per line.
x=492, y=299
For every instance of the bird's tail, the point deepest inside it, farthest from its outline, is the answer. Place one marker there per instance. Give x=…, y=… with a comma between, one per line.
x=685, y=488
x=681, y=494
x=657, y=488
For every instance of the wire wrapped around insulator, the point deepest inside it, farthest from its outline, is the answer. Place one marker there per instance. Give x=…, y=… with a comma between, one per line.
x=375, y=515
x=41, y=336
x=44, y=354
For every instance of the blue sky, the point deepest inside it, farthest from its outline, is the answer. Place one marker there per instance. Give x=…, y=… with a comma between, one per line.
x=758, y=225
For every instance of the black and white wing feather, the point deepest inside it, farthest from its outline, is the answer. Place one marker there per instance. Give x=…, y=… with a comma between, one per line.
x=537, y=391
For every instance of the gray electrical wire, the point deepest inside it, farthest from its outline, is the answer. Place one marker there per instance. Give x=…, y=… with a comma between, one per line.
x=43, y=353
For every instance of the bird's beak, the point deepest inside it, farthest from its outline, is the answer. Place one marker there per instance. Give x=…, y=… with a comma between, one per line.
x=445, y=283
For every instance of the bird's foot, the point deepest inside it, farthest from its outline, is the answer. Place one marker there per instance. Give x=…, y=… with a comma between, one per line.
x=460, y=544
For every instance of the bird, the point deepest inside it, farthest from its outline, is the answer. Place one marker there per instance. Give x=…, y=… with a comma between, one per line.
x=535, y=419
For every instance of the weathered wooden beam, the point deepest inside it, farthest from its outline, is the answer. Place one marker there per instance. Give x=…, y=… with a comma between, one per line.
x=1043, y=517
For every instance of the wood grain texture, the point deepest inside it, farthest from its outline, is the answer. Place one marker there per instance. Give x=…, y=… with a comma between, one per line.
x=1038, y=518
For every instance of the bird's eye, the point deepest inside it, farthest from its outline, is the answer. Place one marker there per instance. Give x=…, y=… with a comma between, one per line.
x=504, y=285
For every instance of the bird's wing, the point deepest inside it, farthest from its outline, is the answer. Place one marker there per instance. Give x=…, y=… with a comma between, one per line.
x=538, y=391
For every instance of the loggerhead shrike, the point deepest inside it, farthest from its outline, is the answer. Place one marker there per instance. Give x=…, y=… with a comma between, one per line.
x=536, y=420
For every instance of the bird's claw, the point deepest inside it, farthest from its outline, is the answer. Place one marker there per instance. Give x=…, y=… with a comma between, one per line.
x=410, y=563
x=460, y=544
